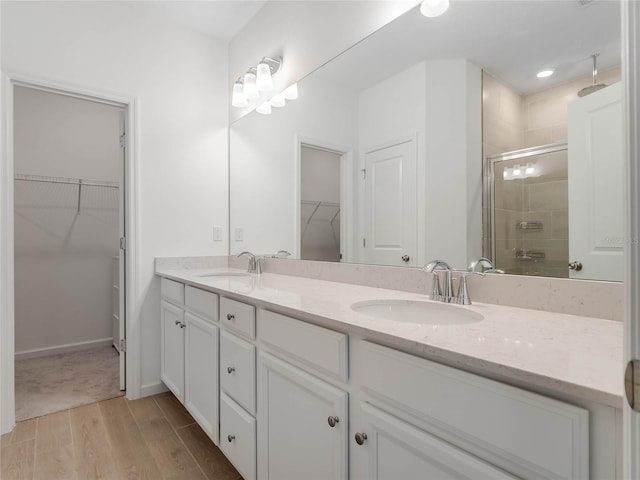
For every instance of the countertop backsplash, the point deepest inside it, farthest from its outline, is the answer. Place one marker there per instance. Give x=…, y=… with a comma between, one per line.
x=587, y=298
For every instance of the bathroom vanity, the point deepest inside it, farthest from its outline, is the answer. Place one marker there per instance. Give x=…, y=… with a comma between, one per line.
x=291, y=382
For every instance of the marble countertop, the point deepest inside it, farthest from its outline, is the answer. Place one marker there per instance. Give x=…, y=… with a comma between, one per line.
x=548, y=352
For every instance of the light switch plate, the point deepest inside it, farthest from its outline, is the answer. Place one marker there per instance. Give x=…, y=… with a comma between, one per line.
x=239, y=234
x=217, y=233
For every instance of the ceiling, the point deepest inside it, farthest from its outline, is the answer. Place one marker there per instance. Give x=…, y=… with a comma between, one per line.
x=512, y=40
x=220, y=19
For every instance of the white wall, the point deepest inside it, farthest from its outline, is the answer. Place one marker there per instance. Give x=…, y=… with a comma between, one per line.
x=179, y=80
x=63, y=258
x=264, y=169
x=441, y=102
x=306, y=34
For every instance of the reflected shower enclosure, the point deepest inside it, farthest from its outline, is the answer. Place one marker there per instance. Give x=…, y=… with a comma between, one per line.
x=526, y=222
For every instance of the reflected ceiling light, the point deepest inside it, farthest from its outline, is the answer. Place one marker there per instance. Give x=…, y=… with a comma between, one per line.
x=545, y=73
x=250, y=87
x=291, y=92
x=278, y=100
x=239, y=99
x=433, y=8
x=264, y=109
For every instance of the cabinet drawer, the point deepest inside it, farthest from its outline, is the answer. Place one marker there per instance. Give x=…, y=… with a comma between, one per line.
x=238, y=437
x=238, y=316
x=317, y=347
x=526, y=433
x=238, y=370
x=201, y=302
x=172, y=291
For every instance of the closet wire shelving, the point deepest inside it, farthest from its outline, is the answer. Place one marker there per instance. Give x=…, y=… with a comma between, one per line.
x=317, y=205
x=79, y=182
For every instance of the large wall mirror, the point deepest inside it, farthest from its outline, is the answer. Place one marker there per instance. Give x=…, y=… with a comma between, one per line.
x=435, y=138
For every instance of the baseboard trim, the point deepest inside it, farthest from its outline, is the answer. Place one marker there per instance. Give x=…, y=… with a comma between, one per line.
x=152, y=389
x=70, y=347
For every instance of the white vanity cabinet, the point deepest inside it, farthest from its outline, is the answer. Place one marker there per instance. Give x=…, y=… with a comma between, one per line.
x=189, y=353
x=458, y=425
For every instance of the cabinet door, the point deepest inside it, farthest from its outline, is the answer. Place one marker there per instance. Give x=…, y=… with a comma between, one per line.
x=295, y=438
x=201, y=373
x=394, y=449
x=172, y=351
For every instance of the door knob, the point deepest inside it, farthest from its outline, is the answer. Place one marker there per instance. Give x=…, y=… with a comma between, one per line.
x=333, y=421
x=577, y=266
x=360, y=438
x=405, y=258
x=178, y=322
x=231, y=369
x=230, y=316
x=231, y=438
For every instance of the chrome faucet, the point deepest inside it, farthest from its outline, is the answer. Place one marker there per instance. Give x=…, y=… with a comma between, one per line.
x=445, y=294
x=281, y=254
x=483, y=262
x=436, y=292
x=255, y=265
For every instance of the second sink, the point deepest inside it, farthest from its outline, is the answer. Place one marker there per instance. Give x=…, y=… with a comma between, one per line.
x=414, y=311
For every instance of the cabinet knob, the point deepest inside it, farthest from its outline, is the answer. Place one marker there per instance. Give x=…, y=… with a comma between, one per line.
x=230, y=316
x=183, y=325
x=360, y=438
x=231, y=369
x=332, y=421
x=405, y=258
x=231, y=438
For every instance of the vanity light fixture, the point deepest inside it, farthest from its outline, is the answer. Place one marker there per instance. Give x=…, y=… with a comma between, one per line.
x=257, y=79
x=434, y=8
x=545, y=73
x=239, y=99
x=264, y=109
x=520, y=172
x=278, y=100
x=291, y=92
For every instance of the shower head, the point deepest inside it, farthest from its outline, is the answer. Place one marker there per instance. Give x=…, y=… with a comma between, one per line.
x=595, y=86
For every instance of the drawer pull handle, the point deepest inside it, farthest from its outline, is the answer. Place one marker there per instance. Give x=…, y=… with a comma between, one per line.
x=230, y=316
x=231, y=369
x=360, y=438
x=333, y=421
x=231, y=438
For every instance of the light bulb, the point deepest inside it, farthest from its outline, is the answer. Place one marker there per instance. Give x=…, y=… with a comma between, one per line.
x=516, y=171
x=434, y=8
x=278, y=100
x=263, y=78
x=264, y=109
x=291, y=92
x=529, y=170
x=505, y=173
x=250, y=88
x=239, y=99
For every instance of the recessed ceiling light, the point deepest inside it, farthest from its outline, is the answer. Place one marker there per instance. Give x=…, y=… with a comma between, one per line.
x=545, y=73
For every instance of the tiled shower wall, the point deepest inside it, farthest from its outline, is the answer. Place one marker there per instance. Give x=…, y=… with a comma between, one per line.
x=512, y=122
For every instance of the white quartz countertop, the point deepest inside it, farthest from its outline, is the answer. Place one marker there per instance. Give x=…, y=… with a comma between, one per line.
x=547, y=352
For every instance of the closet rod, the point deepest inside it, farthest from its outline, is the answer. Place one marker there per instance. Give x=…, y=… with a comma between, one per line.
x=66, y=181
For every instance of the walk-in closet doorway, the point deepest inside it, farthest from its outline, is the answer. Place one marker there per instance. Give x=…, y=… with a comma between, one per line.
x=69, y=250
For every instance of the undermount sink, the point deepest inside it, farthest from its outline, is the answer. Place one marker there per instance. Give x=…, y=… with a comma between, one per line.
x=225, y=274
x=413, y=311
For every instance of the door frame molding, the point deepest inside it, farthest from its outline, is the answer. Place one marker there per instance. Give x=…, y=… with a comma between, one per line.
x=631, y=98
x=346, y=193
x=129, y=103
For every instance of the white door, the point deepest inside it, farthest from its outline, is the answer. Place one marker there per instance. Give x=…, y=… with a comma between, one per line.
x=122, y=257
x=596, y=188
x=172, y=348
x=201, y=373
x=390, y=205
x=302, y=426
x=387, y=448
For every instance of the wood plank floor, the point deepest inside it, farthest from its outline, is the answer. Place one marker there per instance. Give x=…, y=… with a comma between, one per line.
x=152, y=438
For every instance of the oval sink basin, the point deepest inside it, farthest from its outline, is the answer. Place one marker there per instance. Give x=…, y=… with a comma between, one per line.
x=225, y=274
x=413, y=311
